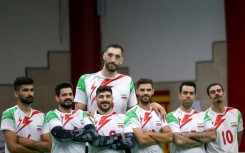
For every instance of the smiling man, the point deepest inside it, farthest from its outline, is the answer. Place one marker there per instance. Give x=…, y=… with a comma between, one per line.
x=117, y=132
x=150, y=130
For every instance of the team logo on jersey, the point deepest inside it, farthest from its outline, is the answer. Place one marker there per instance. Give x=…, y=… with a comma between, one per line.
x=123, y=96
x=39, y=127
x=186, y=119
x=234, y=124
x=120, y=125
x=200, y=125
x=158, y=123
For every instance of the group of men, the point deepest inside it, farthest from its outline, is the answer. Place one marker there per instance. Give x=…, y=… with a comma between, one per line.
x=115, y=120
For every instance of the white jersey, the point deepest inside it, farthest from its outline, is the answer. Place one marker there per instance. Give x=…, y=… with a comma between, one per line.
x=180, y=121
x=70, y=121
x=227, y=125
x=148, y=121
x=108, y=125
x=122, y=87
x=14, y=119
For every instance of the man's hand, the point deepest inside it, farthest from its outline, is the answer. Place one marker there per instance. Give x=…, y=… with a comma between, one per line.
x=90, y=113
x=161, y=112
x=24, y=141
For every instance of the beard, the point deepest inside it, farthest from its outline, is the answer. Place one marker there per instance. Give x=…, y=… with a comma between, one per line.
x=28, y=100
x=111, y=69
x=218, y=99
x=107, y=108
x=66, y=105
x=145, y=99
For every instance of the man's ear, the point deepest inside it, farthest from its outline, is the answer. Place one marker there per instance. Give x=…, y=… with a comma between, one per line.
x=15, y=94
x=121, y=61
x=57, y=98
x=104, y=55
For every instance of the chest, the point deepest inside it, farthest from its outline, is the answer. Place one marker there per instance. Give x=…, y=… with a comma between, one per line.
x=109, y=125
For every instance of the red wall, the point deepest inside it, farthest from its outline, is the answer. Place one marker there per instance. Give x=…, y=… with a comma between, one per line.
x=235, y=25
x=85, y=40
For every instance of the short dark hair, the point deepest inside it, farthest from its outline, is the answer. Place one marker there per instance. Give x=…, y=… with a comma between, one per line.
x=144, y=81
x=214, y=84
x=19, y=81
x=187, y=83
x=61, y=86
x=115, y=46
x=103, y=89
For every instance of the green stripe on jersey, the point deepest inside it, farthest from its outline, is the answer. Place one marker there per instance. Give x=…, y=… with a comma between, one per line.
x=81, y=81
x=131, y=86
x=171, y=118
x=239, y=116
x=206, y=117
x=51, y=115
x=9, y=113
x=130, y=114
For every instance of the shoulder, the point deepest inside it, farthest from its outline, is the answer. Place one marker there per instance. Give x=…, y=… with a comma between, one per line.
x=9, y=113
x=37, y=112
x=51, y=115
x=172, y=116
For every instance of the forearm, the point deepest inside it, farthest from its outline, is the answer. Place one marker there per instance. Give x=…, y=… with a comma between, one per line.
x=183, y=141
x=40, y=146
x=105, y=141
x=61, y=134
x=204, y=137
x=88, y=133
x=20, y=149
x=166, y=137
x=145, y=139
x=127, y=143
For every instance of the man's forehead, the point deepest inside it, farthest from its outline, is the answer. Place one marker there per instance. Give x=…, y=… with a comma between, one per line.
x=104, y=93
x=26, y=86
x=215, y=87
x=114, y=50
x=147, y=85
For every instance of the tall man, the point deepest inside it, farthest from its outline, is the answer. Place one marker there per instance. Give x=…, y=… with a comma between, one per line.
x=191, y=129
x=227, y=121
x=149, y=129
x=122, y=85
x=109, y=123
x=22, y=125
x=69, y=129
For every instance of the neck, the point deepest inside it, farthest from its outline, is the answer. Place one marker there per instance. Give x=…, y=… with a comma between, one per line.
x=145, y=106
x=218, y=107
x=104, y=113
x=108, y=74
x=26, y=108
x=188, y=110
x=64, y=110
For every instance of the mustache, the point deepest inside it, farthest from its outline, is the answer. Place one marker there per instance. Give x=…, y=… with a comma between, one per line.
x=29, y=97
x=68, y=99
x=105, y=102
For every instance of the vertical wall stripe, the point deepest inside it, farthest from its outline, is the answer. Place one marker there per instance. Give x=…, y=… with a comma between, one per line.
x=85, y=38
x=235, y=26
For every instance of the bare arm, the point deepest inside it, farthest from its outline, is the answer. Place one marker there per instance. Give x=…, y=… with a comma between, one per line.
x=204, y=137
x=183, y=141
x=143, y=137
x=159, y=110
x=13, y=146
x=165, y=135
x=80, y=106
x=43, y=146
x=239, y=137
